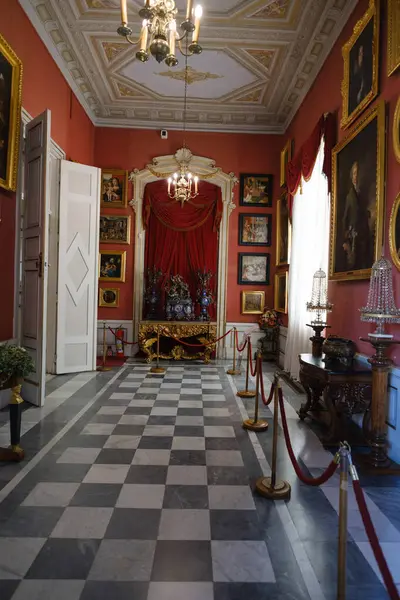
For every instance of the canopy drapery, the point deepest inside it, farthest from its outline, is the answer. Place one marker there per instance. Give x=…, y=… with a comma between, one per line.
x=302, y=164
x=182, y=239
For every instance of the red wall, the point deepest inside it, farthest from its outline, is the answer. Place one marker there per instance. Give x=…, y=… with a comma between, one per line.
x=240, y=153
x=325, y=96
x=43, y=87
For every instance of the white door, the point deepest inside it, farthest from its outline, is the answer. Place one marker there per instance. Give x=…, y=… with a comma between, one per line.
x=34, y=253
x=77, y=268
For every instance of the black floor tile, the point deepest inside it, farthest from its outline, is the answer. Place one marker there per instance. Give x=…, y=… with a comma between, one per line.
x=186, y=496
x=97, y=494
x=188, y=457
x=248, y=591
x=60, y=473
x=222, y=444
x=190, y=412
x=182, y=561
x=189, y=431
x=156, y=442
x=128, y=430
x=151, y=474
x=29, y=521
x=138, y=410
x=110, y=456
x=114, y=590
x=161, y=420
x=235, y=525
x=7, y=588
x=136, y=524
x=227, y=476
x=64, y=559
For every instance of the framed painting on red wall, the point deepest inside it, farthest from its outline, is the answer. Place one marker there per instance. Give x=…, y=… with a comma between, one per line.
x=116, y=230
x=393, y=41
x=114, y=188
x=253, y=268
x=255, y=229
x=255, y=190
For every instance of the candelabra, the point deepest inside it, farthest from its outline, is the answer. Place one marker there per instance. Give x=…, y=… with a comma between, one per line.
x=159, y=30
x=320, y=305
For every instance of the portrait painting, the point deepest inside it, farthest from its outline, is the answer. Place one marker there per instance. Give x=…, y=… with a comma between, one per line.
x=10, y=114
x=283, y=231
x=393, y=39
x=115, y=229
x=281, y=292
x=358, y=198
x=394, y=232
x=253, y=303
x=256, y=190
x=114, y=188
x=253, y=268
x=109, y=297
x=361, y=65
x=112, y=265
x=396, y=130
x=286, y=156
x=255, y=229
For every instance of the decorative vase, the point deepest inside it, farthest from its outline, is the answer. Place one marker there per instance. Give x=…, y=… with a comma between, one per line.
x=205, y=301
x=152, y=302
x=338, y=350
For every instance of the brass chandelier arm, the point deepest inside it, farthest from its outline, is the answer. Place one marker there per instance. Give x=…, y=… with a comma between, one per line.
x=181, y=51
x=132, y=42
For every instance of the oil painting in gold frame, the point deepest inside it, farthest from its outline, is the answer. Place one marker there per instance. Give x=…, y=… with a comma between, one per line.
x=361, y=65
x=253, y=303
x=112, y=265
x=358, y=172
x=109, y=297
x=396, y=130
x=393, y=42
x=10, y=114
x=114, y=188
x=283, y=231
x=281, y=292
x=286, y=156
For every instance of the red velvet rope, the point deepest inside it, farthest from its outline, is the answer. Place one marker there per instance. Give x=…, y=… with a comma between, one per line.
x=122, y=339
x=237, y=342
x=271, y=392
x=373, y=540
x=167, y=334
x=253, y=373
x=314, y=481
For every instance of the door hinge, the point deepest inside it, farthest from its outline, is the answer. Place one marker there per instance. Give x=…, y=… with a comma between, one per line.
x=39, y=264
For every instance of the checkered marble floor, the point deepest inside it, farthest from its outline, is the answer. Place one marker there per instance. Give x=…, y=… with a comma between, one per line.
x=149, y=497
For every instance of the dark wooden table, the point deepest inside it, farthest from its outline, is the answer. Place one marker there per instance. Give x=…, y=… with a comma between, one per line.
x=335, y=393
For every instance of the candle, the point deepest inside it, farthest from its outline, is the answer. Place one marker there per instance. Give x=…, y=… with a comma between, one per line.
x=124, y=13
x=169, y=185
x=143, y=37
x=196, y=179
x=189, y=10
x=147, y=4
x=172, y=37
x=197, y=13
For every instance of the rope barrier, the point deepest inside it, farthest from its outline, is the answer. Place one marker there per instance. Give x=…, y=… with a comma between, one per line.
x=373, y=538
x=122, y=340
x=314, y=481
x=167, y=334
x=271, y=392
x=253, y=373
x=237, y=342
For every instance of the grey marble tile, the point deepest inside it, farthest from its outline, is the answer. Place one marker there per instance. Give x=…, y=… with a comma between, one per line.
x=123, y=560
x=83, y=522
x=41, y=589
x=174, y=590
x=230, y=497
x=241, y=561
x=17, y=555
x=141, y=496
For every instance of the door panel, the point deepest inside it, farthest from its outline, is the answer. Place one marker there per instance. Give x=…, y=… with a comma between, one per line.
x=77, y=268
x=34, y=255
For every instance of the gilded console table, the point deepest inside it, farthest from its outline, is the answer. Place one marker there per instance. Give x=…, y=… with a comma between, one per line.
x=194, y=332
x=334, y=392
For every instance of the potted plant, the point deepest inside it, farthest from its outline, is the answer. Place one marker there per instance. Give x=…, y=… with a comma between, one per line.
x=15, y=364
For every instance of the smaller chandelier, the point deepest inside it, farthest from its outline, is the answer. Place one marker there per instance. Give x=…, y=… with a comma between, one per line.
x=159, y=30
x=381, y=307
x=184, y=186
x=319, y=298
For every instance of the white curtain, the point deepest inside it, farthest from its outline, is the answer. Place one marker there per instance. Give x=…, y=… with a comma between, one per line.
x=309, y=252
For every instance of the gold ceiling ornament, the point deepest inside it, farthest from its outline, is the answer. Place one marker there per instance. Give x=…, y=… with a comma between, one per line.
x=113, y=49
x=159, y=35
x=276, y=10
x=250, y=97
x=193, y=76
x=127, y=92
x=264, y=57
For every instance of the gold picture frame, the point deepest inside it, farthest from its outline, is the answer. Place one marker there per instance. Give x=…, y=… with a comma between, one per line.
x=286, y=156
x=283, y=231
x=115, y=229
x=393, y=41
x=358, y=173
x=253, y=303
x=10, y=113
x=114, y=188
x=396, y=130
x=109, y=297
x=281, y=292
x=361, y=66
x=394, y=232
x=112, y=265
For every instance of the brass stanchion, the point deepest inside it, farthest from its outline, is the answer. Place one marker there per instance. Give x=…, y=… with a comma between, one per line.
x=157, y=368
x=103, y=367
x=342, y=546
x=269, y=487
x=234, y=371
x=256, y=424
x=247, y=393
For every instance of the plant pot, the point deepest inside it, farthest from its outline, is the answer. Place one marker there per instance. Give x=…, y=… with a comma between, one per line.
x=338, y=350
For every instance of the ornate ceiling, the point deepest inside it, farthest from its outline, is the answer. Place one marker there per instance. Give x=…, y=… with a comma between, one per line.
x=259, y=60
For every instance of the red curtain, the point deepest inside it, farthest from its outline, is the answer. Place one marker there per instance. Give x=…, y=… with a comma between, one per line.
x=302, y=164
x=181, y=240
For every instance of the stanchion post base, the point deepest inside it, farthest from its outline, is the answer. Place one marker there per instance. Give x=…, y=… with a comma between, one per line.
x=246, y=394
x=12, y=454
x=281, y=491
x=158, y=370
x=233, y=372
x=259, y=425
x=103, y=368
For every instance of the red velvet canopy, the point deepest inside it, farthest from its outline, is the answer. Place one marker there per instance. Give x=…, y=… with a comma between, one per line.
x=182, y=239
x=302, y=164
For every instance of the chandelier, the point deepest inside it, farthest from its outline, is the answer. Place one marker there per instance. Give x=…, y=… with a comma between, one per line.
x=159, y=30
x=183, y=186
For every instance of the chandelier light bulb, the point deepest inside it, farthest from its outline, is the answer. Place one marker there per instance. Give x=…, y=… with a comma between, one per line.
x=198, y=12
x=175, y=176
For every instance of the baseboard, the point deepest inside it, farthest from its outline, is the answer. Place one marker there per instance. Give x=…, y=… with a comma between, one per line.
x=242, y=328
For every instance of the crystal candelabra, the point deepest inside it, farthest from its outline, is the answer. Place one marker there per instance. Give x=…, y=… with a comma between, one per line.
x=380, y=307
x=320, y=305
x=182, y=186
x=159, y=35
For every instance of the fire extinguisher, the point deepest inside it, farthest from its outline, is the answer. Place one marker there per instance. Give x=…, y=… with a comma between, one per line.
x=119, y=341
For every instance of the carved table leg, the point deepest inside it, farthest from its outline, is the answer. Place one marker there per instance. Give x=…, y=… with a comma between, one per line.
x=314, y=391
x=305, y=407
x=331, y=398
x=15, y=452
